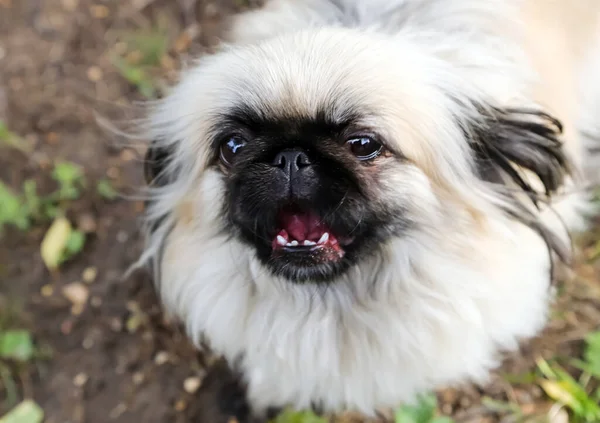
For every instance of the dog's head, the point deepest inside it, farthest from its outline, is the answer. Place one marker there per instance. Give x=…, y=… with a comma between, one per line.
x=316, y=150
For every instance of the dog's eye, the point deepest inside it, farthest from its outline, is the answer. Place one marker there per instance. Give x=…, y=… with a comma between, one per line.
x=230, y=148
x=364, y=148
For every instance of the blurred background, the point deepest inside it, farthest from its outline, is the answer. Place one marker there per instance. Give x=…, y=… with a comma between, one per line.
x=80, y=343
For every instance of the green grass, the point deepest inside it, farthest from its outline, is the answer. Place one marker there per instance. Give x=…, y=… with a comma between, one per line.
x=16, y=349
x=425, y=410
x=11, y=140
x=145, y=51
x=289, y=416
x=580, y=395
x=105, y=189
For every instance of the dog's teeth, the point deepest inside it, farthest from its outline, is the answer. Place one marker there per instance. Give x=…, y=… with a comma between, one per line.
x=309, y=243
x=294, y=243
x=281, y=240
x=324, y=238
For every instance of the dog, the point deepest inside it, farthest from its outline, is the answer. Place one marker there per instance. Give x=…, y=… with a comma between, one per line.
x=355, y=202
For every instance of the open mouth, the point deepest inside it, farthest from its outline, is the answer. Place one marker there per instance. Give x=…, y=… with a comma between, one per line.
x=303, y=232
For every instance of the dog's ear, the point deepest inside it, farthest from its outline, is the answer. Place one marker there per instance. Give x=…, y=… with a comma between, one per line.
x=155, y=162
x=505, y=142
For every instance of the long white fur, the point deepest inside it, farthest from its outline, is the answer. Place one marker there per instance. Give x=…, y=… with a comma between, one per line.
x=438, y=305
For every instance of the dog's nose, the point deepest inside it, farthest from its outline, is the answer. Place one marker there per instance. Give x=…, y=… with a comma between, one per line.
x=291, y=161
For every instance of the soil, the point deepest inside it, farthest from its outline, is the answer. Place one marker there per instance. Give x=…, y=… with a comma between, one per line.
x=118, y=358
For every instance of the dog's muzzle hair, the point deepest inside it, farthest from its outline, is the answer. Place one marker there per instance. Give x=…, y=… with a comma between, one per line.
x=355, y=203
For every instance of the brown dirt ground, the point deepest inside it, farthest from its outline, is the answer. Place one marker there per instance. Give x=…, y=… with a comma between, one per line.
x=56, y=77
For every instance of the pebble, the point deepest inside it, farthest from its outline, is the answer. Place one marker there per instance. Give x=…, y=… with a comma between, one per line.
x=76, y=292
x=66, y=327
x=192, y=384
x=87, y=223
x=88, y=343
x=47, y=291
x=77, y=309
x=70, y=5
x=122, y=237
x=52, y=138
x=89, y=274
x=180, y=405
x=99, y=11
x=161, y=358
x=113, y=173
x=138, y=378
x=80, y=380
x=96, y=302
x=116, y=325
x=127, y=155
x=95, y=74
x=116, y=412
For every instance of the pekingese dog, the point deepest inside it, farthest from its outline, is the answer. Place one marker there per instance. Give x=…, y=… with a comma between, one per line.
x=358, y=201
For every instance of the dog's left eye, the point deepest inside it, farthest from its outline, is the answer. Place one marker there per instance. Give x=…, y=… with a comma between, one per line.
x=364, y=148
x=230, y=148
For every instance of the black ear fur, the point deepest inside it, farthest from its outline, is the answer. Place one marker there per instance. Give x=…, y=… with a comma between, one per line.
x=156, y=160
x=506, y=140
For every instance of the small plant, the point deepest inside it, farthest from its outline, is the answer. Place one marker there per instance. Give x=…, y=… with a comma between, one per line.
x=11, y=140
x=136, y=75
x=23, y=209
x=150, y=46
x=106, y=190
x=16, y=345
x=145, y=52
x=424, y=411
x=70, y=181
x=289, y=416
x=12, y=210
x=61, y=243
x=582, y=395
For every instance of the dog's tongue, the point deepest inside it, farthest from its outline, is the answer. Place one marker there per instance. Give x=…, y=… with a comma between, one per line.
x=302, y=226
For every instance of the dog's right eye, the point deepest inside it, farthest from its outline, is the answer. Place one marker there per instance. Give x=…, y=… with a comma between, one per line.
x=230, y=149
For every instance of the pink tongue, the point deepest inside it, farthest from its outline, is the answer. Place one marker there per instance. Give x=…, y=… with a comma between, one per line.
x=301, y=226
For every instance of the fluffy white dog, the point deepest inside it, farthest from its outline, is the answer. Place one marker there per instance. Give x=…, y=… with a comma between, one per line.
x=356, y=201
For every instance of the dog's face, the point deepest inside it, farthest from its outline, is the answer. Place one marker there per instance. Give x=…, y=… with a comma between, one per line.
x=306, y=192
x=318, y=150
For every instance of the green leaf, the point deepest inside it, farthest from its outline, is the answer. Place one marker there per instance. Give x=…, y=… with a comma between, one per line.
x=67, y=173
x=26, y=412
x=592, y=354
x=136, y=75
x=12, y=210
x=422, y=412
x=12, y=140
x=289, y=416
x=152, y=45
x=33, y=202
x=70, y=178
x=106, y=190
x=16, y=345
x=75, y=245
x=562, y=387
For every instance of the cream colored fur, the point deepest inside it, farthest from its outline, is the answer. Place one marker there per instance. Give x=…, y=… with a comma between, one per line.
x=437, y=307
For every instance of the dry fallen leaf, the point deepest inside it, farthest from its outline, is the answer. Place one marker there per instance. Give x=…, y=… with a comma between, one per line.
x=55, y=242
